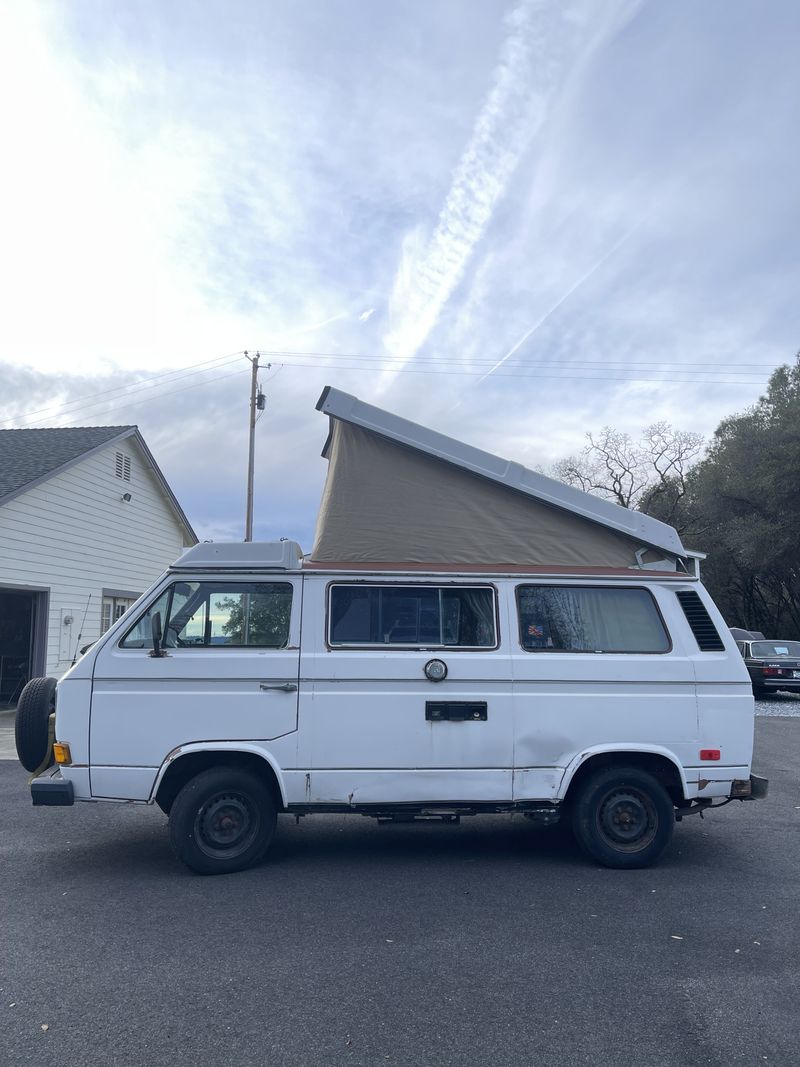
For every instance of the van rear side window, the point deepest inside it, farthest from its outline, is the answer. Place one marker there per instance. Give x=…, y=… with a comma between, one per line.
x=412, y=615
x=559, y=618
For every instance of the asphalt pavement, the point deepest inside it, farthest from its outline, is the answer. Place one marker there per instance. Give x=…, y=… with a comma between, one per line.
x=489, y=943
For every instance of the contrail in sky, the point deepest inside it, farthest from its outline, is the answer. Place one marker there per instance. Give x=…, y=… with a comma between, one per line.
x=545, y=39
x=513, y=110
x=573, y=288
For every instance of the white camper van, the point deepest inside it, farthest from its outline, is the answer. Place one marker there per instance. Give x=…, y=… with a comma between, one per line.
x=488, y=667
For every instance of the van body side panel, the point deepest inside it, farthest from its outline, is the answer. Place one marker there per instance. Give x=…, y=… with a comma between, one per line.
x=364, y=735
x=144, y=707
x=73, y=696
x=568, y=702
x=726, y=707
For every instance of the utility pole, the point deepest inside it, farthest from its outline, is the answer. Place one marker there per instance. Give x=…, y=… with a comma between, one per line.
x=248, y=523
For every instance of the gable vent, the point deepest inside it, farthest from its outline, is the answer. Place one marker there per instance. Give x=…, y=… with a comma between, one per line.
x=704, y=630
x=123, y=466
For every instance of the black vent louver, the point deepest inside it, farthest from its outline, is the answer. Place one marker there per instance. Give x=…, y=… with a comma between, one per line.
x=704, y=630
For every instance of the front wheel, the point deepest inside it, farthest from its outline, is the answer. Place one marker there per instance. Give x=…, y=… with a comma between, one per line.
x=623, y=817
x=223, y=820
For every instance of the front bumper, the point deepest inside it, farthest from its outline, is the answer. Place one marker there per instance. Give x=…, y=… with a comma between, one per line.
x=753, y=788
x=52, y=791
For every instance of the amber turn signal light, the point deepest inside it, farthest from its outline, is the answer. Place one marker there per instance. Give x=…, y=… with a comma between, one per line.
x=62, y=753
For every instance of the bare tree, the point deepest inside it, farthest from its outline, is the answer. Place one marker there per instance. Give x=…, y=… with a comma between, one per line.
x=634, y=473
x=670, y=453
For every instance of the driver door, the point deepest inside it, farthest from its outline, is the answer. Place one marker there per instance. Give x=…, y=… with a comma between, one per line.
x=229, y=672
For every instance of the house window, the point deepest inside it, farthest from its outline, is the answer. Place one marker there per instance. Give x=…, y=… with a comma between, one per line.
x=412, y=616
x=559, y=618
x=114, y=607
x=123, y=466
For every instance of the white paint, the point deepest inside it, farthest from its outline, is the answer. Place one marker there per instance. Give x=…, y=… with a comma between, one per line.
x=75, y=536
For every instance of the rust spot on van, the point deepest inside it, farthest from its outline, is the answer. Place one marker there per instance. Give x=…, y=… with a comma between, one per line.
x=308, y=787
x=703, y=782
x=175, y=752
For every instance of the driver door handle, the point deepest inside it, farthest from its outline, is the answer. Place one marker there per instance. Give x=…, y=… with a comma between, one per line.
x=284, y=687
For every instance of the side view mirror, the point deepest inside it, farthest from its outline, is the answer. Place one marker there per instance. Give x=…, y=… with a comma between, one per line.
x=158, y=636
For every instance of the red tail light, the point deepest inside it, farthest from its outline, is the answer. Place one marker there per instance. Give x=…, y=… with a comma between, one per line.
x=772, y=670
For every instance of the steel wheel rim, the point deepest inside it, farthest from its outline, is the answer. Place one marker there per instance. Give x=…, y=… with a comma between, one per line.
x=226, y=825
x=627, y=819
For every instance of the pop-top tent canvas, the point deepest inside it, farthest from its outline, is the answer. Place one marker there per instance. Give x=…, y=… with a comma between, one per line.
x=397, y=492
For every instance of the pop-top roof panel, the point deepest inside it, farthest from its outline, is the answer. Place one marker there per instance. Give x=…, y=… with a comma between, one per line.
x=634, y=524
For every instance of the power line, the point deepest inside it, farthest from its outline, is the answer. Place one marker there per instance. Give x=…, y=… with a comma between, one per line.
x=176, y=375
x=420, y=365
x=408, y=369
x=158, y=396
x=522, y=361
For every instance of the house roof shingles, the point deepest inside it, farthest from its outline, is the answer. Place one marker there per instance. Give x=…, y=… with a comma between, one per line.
x=29, y=455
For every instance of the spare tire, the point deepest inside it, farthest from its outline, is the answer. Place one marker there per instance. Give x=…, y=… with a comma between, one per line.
x=32, y=726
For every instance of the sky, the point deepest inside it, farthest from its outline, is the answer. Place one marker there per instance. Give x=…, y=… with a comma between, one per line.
x=512, y=222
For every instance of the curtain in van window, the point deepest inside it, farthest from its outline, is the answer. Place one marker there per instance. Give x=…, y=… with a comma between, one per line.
x=477, y=624
x=560, y=618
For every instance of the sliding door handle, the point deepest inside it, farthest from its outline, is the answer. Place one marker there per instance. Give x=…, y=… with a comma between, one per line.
x=284, y=687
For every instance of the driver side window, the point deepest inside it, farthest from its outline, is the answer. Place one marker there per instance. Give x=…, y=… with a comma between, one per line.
x=218, y=615
x=168, y=606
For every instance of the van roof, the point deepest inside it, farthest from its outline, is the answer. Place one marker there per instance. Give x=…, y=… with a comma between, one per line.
x=241, y=555
x=287, y=557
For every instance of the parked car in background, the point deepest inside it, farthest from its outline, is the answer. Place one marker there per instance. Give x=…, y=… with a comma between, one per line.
x=772, y=665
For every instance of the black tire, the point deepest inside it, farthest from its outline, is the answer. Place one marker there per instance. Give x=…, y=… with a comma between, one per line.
x=32, y=726
x=622, y=817
x=223, y=820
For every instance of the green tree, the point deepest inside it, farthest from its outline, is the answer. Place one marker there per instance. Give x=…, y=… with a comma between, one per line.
x=742, y=506
x=259, y=617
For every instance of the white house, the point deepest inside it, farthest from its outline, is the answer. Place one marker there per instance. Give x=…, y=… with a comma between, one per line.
x=87, y=521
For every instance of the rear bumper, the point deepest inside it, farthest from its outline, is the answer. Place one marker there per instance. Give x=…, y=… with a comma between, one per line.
x=753, y=788
x=50, y=790
x=775, y=685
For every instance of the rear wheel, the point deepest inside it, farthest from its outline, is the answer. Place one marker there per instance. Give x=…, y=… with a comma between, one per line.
x=223, y=820
x=623, y=817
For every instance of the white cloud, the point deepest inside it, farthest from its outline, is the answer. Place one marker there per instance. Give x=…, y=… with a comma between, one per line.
x=184, y=185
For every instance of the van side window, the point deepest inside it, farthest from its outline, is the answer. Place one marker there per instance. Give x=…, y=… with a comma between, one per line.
x=559, y=618
x=412, y=615
x=218, y=615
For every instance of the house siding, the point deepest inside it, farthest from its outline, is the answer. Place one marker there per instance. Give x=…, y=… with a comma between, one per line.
x=75, y=536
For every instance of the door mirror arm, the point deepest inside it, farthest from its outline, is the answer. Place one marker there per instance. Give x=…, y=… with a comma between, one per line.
x=155, y=622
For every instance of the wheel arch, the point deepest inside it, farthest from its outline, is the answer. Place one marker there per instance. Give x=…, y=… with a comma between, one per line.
x=186, y=761
x=660, y=762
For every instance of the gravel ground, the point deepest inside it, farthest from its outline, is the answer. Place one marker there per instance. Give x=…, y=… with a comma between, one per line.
x=782, y=705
